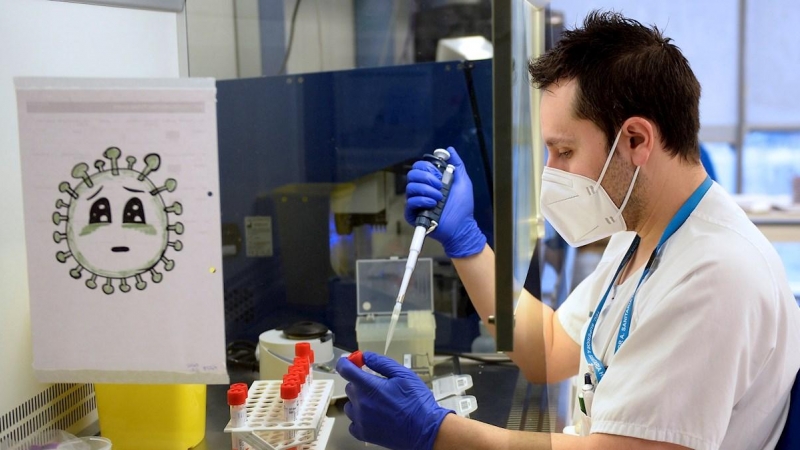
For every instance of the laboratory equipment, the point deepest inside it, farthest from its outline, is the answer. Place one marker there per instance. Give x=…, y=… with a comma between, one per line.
x=414, y=335
x=277, y=350
x=426, y=222
x=266, y=428
x=344, y=141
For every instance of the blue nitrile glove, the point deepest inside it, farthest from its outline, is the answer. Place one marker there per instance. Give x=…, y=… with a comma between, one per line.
x=396, y=412
x=457, y=231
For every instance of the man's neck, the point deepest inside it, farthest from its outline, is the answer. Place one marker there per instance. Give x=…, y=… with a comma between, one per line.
x=665, y=199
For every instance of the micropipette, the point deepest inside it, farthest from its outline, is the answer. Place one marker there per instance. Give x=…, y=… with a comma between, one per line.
x=426, y=222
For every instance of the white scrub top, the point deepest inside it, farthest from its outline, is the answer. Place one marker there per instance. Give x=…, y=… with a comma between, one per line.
x=714, y=345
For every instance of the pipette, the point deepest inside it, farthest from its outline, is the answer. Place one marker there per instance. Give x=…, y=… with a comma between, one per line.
x=426, y=222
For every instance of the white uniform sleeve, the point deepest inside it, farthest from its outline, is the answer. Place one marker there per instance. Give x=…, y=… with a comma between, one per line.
x=574, y=312
x=691, y=354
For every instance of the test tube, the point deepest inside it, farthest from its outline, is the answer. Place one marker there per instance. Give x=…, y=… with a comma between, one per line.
x=289, y=394
x=303, y=349
x=357, y=358
x=302, y=362
x=301, y=382
x=293, y=378
x=236, y=401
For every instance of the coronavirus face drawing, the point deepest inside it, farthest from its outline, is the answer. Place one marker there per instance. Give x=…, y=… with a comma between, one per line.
x=117, y=223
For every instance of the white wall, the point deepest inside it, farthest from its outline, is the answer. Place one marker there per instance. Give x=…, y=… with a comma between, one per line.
x=45, y=38
x=324, y=36
x=212, y=38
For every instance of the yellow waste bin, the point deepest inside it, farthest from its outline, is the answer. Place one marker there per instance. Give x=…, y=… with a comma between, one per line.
x=152, y=416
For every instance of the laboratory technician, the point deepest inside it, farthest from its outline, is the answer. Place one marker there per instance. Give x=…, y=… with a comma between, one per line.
x=687, y=328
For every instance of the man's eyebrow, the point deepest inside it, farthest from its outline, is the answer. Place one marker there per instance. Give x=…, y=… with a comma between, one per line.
x=559, y=140
x=131, y=190
x=95, y=194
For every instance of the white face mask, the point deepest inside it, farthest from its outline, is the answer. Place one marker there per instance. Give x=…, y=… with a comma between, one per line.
x=579, y=208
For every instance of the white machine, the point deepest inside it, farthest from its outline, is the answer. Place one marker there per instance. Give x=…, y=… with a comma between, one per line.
x=276, y=352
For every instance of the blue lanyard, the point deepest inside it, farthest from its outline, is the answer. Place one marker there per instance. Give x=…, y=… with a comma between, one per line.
x=624, y=326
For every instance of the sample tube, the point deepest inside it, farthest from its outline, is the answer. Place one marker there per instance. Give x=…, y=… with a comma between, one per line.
x=294, y=377
x=303, y=350
x=236, y=401
x=289, y=394
x=357, y=358
x=302, y=362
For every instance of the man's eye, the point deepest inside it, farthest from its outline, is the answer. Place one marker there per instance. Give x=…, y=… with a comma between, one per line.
x=565, y=154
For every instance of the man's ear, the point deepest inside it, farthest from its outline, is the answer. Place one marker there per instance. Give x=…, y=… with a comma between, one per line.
x=638, y=139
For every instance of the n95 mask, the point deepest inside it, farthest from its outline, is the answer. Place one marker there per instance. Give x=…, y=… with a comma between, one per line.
x=579, y=208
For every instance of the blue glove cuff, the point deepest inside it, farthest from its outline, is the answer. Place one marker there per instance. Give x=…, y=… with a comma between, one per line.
x=468, y=241
x=433, y=423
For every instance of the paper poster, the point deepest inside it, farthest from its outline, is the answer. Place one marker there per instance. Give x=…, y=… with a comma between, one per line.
x=258, y=236
x=122, y=220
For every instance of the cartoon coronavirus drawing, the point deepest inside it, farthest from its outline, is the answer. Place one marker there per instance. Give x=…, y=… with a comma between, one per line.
x=116, y=224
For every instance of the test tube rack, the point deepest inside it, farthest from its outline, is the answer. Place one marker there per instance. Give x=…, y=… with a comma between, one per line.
x=265, y=429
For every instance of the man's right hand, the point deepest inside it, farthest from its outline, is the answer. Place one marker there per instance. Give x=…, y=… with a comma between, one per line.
x=457, y=231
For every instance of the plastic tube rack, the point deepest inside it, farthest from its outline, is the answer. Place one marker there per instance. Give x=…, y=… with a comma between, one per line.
x=265, y=429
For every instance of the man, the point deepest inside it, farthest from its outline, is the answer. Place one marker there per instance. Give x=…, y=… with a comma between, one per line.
x=687, y=328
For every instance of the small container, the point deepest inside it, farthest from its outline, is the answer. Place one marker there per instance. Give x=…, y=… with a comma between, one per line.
x=237, y=396
x=289, y=395
x=377, y=285
x=152, y=416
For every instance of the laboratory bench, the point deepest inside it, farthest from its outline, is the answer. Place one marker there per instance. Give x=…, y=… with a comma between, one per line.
x=504, y=399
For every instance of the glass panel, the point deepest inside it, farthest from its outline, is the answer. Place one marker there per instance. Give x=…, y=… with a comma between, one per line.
x=313, y=162
x=773, y=61
x=719, y=159
x=689, y=23
x=772, y=164
x=251, y=38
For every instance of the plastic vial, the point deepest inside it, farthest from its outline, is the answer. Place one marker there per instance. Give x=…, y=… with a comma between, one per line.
x=236, y=399
x=289, y=394
x=303, y=350
x=357, y=358
x=302, y=362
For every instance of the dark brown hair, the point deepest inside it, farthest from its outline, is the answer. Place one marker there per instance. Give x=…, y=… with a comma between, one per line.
x=625, y=69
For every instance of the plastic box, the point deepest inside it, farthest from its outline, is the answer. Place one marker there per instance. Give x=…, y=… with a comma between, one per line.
x=152, y=416
x=377, y=284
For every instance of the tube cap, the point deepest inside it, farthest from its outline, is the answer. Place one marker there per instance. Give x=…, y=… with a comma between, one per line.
x=236, y=396
x=289, y=391
x=304, y=349
x=357, y=358
x=240, y=385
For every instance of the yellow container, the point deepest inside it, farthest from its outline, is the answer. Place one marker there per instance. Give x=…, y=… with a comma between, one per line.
x=152, y=416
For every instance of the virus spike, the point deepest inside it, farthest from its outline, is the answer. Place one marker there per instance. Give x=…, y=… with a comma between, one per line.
x=100, y=165
x=62, y=257
x=64, y=187
x=91, y=283
x=81, y=171
x=177, y=228
x=124, y=286
x=157, y=276
x=177, y=245
x=60, y=204
x=113, y=154
x=108, y=288
x=169, y=185
x=58, y=218
x=58, y=237
x=140, y=284
x=168, y=263
x=76, y=272
x=131, y=161
x=152, y=161
x=176, y=208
